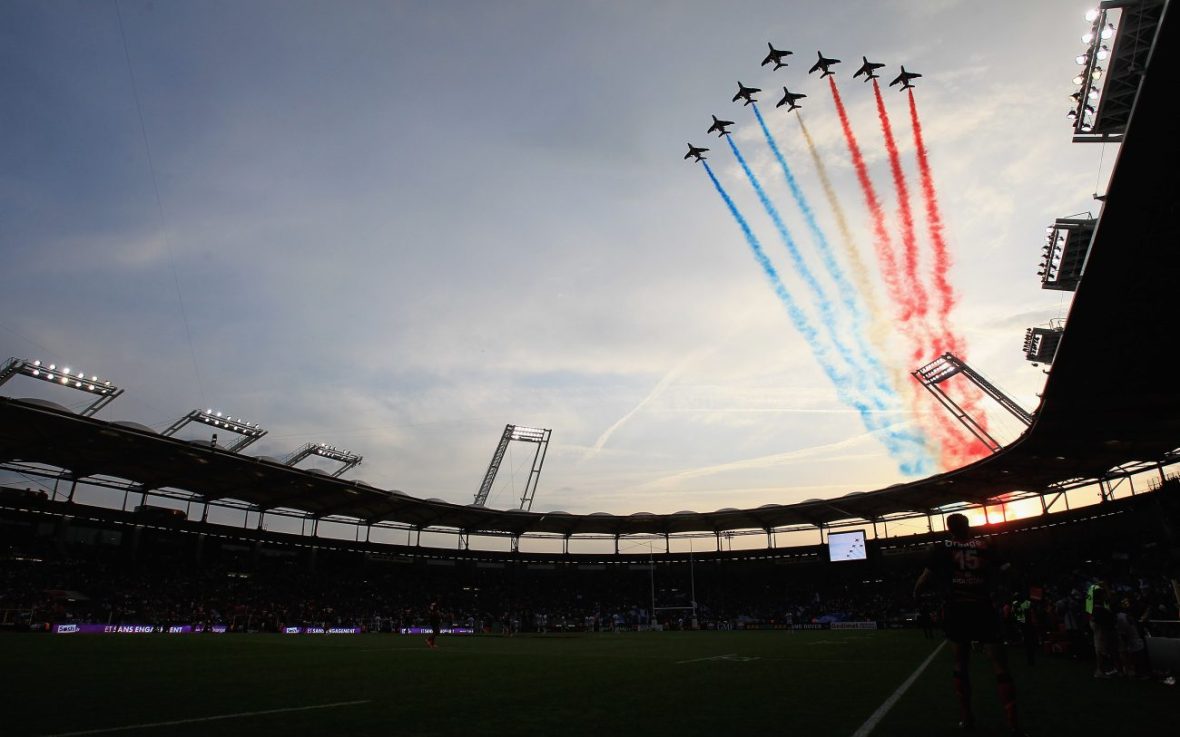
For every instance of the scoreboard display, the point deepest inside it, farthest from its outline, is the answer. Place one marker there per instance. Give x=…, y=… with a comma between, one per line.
x=844, y=546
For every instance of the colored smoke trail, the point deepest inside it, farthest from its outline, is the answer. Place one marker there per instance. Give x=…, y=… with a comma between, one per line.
x=882, y=244
x=954, y=441
x=924, y=404
x=880, y=330
x=909, y=242
x=849, y=296
x=860, y=273
x=969, y=396
x=821, y=300
x=798, y=317
x=909, y=451
x=942, y=262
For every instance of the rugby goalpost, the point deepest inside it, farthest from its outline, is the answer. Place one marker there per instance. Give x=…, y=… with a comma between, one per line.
x=653, y=623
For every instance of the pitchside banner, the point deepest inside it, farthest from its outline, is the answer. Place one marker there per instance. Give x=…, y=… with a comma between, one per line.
x=441, y=631
x=135, y=629
x=854, y=625
x=321, y=630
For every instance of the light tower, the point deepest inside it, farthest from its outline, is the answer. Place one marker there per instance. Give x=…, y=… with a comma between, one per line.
x=947, y=365
x=537, y=436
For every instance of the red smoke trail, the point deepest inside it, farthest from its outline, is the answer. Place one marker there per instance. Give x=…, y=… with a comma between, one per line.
x=881, y=241
x=956, y=442
x=943, y=430
x=909, y=243
x=969, y=396
x=942, y=261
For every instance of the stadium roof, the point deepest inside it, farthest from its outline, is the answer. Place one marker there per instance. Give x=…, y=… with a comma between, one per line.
x=1111, y=399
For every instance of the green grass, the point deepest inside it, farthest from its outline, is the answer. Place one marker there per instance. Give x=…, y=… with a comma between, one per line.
x=802, y=683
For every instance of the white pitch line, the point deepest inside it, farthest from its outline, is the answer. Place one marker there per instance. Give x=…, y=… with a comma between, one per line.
x=711, y=657
x=239, y=715
x=871, y=723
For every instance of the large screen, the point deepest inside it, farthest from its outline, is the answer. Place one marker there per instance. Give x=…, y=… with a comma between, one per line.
x=846, y=546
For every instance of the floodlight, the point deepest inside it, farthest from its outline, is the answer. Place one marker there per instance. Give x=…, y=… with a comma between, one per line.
x=1107, y=32
x=1103, y=53
x=1088, y=37
x=1092, y=15
x=1081, y=59
x=250, y=431
x=1096, y=74
x=105, y=390
x=1079, y=79
x=531, y=434
x=323, y=450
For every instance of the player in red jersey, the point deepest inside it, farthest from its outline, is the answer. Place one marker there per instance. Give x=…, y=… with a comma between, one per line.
x=965, y=566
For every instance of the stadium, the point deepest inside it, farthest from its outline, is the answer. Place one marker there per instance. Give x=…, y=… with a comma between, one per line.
x=158, y=583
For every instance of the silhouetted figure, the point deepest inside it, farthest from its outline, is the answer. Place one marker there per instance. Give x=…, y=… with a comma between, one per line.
x=964, y=566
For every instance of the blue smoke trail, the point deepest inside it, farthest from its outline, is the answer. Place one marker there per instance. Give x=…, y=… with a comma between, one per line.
x=798, y=317
x=823, y=302
x=843, y=286
x=910, y=451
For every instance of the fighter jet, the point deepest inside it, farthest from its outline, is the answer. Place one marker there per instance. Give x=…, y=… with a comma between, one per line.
x=776, y=56
x=695, y=151
x=867, y=69
x=905, y=78
x=789, y=98
x=719, y=126
x=745, y=93
x=823, y=64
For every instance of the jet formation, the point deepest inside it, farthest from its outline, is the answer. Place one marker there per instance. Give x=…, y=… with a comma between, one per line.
x=824, y=63
x=775, y=56
x=790, y=98
x=720, y=126
x=868, y=69
x=745, y=93
x=905, y=78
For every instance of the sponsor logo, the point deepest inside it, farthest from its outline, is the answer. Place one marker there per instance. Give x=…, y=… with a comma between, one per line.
x=65, y=629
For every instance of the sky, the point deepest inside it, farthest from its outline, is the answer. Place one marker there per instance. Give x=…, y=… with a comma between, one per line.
x=395, y=227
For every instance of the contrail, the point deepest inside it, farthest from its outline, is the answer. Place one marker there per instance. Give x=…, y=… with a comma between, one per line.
x=908, y=450
x=664, y=382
